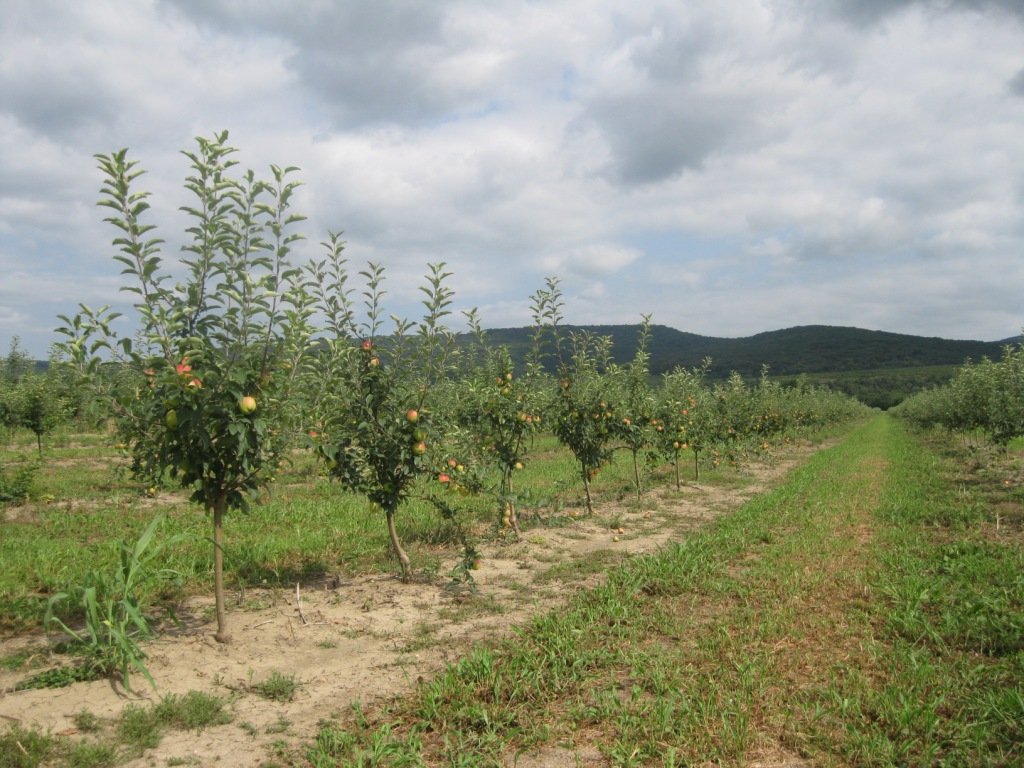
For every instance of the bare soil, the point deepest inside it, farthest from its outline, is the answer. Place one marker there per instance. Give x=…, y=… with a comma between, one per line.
x=369, y=639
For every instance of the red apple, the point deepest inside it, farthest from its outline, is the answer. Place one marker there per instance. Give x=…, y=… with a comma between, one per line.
x=247, y=405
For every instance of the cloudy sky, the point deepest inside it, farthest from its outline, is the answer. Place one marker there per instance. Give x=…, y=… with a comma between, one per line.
x=730, y=167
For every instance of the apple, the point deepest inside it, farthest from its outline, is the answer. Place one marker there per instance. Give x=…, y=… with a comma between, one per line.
x=412, y=416
x=476, y=564
x=419, y=435
x=374, y=362
x=443, y=478
x=367, y=346
x=460, y=468
x=196, y=384
x=519, y=465
x=330, y=464
x=419, y=448
x=247, y=404
x=172, y=419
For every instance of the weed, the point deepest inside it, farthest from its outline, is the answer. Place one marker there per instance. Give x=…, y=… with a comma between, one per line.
x=87, y=722
x=281, y=726
x=138, y=729
x=113, y=608
x=249, y=728
x=15, y=484
x=192, y=711
x=61, y=677
x=277, y=687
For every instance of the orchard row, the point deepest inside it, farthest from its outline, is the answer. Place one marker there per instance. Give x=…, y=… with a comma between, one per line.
x=986, y=397
x=244, y=356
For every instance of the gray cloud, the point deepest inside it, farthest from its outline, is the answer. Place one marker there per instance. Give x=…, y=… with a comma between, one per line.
x=865, y=13
x=369, y=61
x=1016, y=83
x=674, y=95
x=729, y=167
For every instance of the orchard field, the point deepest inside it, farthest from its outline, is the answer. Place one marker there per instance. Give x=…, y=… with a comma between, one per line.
x=275, y=524
x=852, y=598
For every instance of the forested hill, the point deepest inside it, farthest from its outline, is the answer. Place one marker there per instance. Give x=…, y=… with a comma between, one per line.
x=787, y=352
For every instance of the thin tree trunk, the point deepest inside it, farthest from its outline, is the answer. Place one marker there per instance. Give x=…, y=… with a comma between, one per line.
x=223, y=635
x=586, y=487
x=396, y=545
x=510, y=507
x=679, y=485
x=636, y=474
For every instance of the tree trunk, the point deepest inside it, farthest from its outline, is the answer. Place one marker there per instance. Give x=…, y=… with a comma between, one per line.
x=586, y=487
x=396, y=545
x=679, y=485
x=636, y=474
x=510, y=507
x=219, y=505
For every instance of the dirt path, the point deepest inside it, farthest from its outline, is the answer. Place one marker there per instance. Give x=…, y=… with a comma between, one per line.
x=368, y=638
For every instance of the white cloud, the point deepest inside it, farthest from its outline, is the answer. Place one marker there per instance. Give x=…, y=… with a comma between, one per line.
x=815, y=149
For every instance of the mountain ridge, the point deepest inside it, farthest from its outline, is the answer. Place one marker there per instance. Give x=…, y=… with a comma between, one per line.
x=787, y=351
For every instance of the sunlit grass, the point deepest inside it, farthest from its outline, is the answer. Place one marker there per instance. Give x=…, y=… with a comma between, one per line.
x=802, y=627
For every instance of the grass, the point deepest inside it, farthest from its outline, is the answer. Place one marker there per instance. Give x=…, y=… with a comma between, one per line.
x=864, y=613
x=823, y=621
x=306, y=530
x=137, y=729
x=277, y=687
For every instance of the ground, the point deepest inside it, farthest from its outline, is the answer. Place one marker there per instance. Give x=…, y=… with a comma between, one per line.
x=370, y=638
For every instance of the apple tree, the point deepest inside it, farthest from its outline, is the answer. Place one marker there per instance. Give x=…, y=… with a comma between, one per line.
x=686, y=414
x=379, y=432
x=586, y=413
x=639, y=425
x=502, y=410
x=212, y=366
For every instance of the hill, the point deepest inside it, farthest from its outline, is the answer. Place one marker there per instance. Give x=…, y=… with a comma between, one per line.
x=787, y=352
x=879, y=367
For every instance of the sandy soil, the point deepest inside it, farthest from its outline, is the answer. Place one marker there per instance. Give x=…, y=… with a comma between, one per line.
x=369, y=638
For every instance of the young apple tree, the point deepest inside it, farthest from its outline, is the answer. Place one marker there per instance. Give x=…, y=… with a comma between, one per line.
x=586, y=412
x=502, y=411
x=638, y=426
x=212, y=364
x=379, y=432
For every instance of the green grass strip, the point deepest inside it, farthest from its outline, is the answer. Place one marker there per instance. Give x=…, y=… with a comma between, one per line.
x=782, y=631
